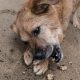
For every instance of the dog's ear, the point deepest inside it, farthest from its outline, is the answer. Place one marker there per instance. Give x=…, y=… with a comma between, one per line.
x=41, y=6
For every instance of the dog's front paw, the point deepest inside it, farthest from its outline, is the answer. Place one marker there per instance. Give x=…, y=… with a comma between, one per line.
x=40, y=67
x=76, y=19
x=28, y=57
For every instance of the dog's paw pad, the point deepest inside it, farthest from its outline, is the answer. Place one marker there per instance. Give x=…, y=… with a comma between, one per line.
x=28, y=58
x=40, y=68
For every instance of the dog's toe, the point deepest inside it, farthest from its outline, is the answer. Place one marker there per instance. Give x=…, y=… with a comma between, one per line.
x=28, y=57
x=41, y=67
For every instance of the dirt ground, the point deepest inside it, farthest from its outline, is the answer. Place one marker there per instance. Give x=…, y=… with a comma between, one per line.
x=12, y=66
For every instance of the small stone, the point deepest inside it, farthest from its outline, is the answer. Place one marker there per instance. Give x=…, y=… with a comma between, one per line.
x=50, y=77
x=70, y=63
x=62, y=67
x=23, y=72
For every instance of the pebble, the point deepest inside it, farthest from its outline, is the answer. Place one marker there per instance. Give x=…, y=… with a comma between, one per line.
x=70, y=63
x=62, y=67
x=50, y=77
x=23, y=72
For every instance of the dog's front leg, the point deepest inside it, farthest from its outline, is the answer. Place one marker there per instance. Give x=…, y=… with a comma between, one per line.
x=40, y=67
x=76, y=18
x=28, y=57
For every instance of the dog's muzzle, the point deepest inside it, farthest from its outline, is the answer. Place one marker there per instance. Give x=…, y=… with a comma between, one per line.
x=50, y=51
x=43, y=53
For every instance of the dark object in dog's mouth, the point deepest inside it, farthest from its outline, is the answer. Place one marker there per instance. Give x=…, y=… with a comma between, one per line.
x=51, y=51
x=57, y=53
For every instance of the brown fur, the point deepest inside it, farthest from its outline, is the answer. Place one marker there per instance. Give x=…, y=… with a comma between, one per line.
x=53, y=23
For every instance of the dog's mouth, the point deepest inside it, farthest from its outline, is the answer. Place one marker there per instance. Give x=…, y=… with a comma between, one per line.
x=50, y=51
x=41, y=53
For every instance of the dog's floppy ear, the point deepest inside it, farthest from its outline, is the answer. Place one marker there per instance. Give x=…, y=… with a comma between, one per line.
x=39, y=9
x=41, y=6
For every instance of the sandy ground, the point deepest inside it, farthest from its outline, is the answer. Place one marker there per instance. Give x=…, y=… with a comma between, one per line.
x=12, y=66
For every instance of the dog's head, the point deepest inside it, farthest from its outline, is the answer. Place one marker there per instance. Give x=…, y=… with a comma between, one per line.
x=38, y=23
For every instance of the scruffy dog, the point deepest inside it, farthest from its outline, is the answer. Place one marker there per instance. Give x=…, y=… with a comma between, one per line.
x=42, y=23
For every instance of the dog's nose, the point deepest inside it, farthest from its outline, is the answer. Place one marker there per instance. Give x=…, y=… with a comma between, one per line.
x=57, y=53
x=43, y=53
x=39, y=54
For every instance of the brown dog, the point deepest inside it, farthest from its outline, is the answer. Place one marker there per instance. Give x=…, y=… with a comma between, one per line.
x=42, y=23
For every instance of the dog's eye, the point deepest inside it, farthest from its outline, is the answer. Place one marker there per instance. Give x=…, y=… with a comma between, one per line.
x=36, y=31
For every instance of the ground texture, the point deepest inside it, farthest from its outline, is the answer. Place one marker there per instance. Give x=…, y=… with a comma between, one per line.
x=12, y=66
